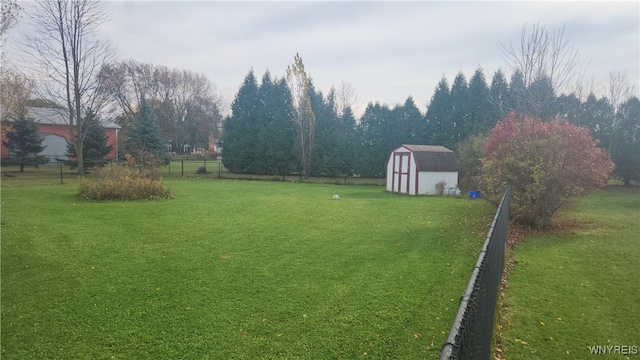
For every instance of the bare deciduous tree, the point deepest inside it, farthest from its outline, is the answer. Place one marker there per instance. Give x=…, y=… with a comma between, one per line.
x=548, y=64
x=15, y=90
x=69, y=55
x=10, y=11
x=619, y=88
x=346, y=96
x=187, y=104
x=303, y=115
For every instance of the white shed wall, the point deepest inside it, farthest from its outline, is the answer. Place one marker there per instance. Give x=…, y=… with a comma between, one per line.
x=427, y=181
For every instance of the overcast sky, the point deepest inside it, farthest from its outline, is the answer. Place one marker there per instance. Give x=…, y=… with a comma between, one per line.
x=386, y=50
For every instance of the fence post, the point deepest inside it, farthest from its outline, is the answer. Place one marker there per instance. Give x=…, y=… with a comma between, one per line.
x=205, y=166
x=61, y=182
x=182, y=168
x=219, y=170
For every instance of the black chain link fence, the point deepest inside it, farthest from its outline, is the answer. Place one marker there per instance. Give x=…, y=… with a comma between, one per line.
x=215, y=169
x=472, y=329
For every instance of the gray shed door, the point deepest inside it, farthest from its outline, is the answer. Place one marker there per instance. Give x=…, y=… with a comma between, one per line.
x=56, y=147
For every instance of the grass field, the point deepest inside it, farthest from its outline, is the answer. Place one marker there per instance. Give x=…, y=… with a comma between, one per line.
x=233, y=270
x=579, y=289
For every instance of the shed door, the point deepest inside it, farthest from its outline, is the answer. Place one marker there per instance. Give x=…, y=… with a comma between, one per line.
x=401, y=172
x=55, y=146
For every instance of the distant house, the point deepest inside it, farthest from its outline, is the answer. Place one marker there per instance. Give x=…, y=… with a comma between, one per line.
x=52, y=125
x=416, y=169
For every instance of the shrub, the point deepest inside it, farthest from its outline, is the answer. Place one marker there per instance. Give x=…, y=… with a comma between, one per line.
x=440, y=187
x=547, y=164
x=122, y=183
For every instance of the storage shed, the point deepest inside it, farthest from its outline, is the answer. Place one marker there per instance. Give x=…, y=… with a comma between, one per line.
x=416, y=169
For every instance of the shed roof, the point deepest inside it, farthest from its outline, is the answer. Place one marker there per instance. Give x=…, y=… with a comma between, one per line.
x=433, y=158
x=51, y=116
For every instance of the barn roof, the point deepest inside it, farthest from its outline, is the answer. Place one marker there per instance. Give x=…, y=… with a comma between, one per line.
x=433, y=158
x=45, y=115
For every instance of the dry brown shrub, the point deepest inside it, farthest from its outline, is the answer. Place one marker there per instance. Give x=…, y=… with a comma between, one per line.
x=123, y=182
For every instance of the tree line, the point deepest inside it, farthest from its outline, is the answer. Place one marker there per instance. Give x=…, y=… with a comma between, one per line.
x=260, y=135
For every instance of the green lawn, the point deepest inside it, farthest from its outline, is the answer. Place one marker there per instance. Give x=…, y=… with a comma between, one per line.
x=571, y=291
x=233, y=270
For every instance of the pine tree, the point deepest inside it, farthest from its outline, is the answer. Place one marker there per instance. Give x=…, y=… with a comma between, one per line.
x=327, y=158
x=375, y=126
x=438, y=115
x=240, y=129
x=481, y=111
x=279, y=132
x=144, y=142
x=626, y=152
x=499, y=95
x=517, y=93
x=95, y=146
x=25, y=143
x=349, y=127
x=409, y=127
x=568, y=107
x=459, y=115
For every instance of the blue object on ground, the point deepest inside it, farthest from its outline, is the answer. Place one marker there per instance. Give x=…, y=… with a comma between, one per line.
x=474, y=194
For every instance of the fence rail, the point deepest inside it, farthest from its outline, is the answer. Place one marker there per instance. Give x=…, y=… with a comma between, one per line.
x=472, y=329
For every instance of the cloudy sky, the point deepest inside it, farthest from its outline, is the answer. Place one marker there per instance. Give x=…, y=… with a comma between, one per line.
x=387, y=51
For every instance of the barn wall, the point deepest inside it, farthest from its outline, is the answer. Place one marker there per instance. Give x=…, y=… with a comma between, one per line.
x=428, y=180
x=54, y=133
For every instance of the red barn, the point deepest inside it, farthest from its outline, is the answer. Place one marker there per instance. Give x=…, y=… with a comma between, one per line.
x=52, y=125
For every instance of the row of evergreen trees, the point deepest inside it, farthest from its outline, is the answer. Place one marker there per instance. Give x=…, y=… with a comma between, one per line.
x=260, y=137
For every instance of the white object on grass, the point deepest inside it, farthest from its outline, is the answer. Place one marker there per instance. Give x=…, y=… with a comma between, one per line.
x=336, y=197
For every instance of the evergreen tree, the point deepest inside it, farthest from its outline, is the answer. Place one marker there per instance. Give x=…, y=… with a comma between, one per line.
x=25, y=143
x=438, y=112
x=459, y=115
x=375, y=127
x=481, y=111
x=626, y=154
x=540, y=99
x=240, y=129
x=144, y=142
x=517, y=93
x=598, y=116
x=327, y=159
x=348, y=121
x=499, y=95
x=409, y=124
x=95, y=146
x=279, y=131
x=349, y=128
x=568, y=108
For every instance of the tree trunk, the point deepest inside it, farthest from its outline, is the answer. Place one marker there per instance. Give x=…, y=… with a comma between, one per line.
x=80, y=157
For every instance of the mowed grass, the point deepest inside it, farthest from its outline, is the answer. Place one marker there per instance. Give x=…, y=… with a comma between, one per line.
x=234, y=270
x=579, y=289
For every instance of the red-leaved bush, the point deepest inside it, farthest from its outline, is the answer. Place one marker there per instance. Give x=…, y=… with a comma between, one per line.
x=547, y=163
